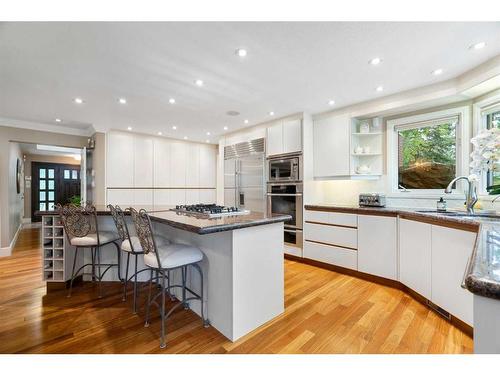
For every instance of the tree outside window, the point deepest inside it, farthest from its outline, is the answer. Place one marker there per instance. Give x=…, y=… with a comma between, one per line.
x=427, y=155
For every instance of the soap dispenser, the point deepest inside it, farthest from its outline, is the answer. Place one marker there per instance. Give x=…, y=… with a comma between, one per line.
x=441, y=204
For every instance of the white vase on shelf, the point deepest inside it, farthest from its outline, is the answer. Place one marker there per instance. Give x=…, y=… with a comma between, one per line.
x=364, y=127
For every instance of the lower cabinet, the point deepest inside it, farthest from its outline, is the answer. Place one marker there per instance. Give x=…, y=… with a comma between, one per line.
x=415, y=249
x=377, y=246
x=331, y=254
x=451, y=249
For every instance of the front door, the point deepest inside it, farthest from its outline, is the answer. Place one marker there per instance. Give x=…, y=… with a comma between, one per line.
x=52, y=184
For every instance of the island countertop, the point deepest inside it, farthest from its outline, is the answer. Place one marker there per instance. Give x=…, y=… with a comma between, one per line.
x=198, y=225
x=482, y=276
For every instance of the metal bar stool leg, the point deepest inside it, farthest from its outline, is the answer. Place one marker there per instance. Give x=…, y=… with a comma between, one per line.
x=135, y=285
x=146, y=324
x=124, y=298
x=73, y=273
x=202, y=296
x=162, y=340
x=184, y=303
x=92, y=253
x=98, y=250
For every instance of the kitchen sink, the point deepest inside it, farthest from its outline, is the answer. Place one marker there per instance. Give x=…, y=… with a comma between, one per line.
x=462, y=214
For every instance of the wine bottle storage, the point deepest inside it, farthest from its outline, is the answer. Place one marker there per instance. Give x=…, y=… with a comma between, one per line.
x=53, y=240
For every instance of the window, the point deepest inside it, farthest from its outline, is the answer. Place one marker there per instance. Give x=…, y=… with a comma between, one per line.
x=427, y=154
x=426, y=151
x=493, y=177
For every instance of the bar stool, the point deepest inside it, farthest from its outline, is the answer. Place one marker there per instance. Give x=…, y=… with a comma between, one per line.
x=82, y=231
x=163, y=260
x=130, y=245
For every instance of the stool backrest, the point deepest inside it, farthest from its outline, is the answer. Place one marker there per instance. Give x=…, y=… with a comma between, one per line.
x=144, y=230
x=79, y=221
x=119, y=219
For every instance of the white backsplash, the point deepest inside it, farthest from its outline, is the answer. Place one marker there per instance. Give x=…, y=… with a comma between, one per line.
x=346, y=192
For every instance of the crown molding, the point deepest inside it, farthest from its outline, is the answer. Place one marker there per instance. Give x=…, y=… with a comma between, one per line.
x=61, y=129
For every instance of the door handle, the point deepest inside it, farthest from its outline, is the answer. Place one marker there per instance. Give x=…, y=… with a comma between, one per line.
x=283, y=195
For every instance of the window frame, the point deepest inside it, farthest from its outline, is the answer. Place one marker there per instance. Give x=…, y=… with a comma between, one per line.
x=480, y=123
x=462, y=151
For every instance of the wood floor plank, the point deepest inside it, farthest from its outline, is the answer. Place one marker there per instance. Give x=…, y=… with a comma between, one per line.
x=325, y=312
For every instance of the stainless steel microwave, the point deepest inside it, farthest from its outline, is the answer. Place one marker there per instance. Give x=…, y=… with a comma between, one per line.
x=285, y=169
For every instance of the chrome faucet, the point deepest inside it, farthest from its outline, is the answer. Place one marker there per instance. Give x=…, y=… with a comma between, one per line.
x=470, y=195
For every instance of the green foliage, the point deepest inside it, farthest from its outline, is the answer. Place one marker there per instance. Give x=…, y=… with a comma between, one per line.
x=429, y=144
x=75, y=199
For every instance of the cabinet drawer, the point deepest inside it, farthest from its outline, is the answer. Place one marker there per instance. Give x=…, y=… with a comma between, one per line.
x=339, y=236
x=331, y=255
x=335, y=218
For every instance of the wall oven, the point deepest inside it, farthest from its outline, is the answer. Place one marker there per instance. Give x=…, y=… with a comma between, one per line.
x=285, y=169
x=287, y=199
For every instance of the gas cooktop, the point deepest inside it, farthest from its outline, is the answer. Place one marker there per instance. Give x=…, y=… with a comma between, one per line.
x=209, y=210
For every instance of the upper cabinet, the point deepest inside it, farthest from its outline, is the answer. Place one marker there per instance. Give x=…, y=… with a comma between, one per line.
x=331, y=146
x=120, y=160
x=143, y=165
x=208, y=166
x=284, y=136
x=347, y=148
x=161, y=161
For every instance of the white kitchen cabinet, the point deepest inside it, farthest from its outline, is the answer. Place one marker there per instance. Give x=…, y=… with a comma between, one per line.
x=120, y=159
x=335, y=218
x=331, y=139
x=292, y=135
x=274, y=139
x=207, y=196
x=177, y=196
x=162, y=197
x=284, y=136
x=120, y=197
x=415, y=256
x=377, y=246
x=338, y=256
x=178, y=162
x=161, y=162
x=193, y=165
x=451, y=249
x=333, y=235
x=207, y=168
x=192, y=196
x=143, y=161
x=143, y=197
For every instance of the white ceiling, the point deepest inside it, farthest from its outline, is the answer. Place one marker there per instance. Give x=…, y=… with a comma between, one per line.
x=290, y=67
x=31, y=149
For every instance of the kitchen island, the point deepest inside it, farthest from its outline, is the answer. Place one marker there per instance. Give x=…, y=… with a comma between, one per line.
x=243, y=262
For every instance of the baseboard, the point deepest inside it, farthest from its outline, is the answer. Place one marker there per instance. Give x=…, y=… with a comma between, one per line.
x=7, y=251
x=26, y=220
x=461, y=325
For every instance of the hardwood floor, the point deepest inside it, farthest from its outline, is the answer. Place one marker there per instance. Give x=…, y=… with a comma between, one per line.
x=326, y=312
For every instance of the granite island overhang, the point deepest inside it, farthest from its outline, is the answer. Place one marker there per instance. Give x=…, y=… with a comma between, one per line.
x=243, y=263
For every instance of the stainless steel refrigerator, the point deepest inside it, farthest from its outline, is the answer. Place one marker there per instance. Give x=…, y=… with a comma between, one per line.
x=244, y=175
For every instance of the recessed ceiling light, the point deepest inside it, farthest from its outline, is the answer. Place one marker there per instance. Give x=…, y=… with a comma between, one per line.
x=185, y=137
x=174, y=127
x=246, y=121
x=122, y=101
x=78, y=100
x=331, y=102
x=225, y=128
x=271, y=113
x=379, y=88
x=208, y=141
x=375, y=61
x=198, y=82
x=241, y=52
x=58, y=120
x=129, y=128
x=208, y=133
x=160, y=133
x=171, y=101
x=478, y=45
x=437, y=72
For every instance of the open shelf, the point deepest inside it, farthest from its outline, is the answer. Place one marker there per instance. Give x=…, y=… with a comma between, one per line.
x=372, y=161
x=54, y=262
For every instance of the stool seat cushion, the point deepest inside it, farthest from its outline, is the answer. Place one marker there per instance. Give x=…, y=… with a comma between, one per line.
x=136, y=243
x=173, y=256
x=91, y=239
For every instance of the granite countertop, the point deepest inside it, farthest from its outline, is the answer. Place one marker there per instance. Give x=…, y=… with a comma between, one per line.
x=198, y=225
x=482, y=276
